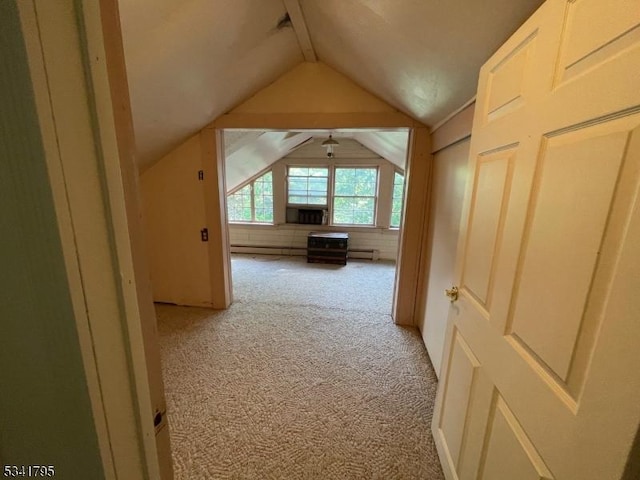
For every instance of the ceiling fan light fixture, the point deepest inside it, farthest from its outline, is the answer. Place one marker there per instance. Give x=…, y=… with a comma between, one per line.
x=329, y=144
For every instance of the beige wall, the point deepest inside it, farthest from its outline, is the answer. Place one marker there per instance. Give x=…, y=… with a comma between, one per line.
x=174, y=214
x=292, y=240
x=317, y=88
x=449, y=180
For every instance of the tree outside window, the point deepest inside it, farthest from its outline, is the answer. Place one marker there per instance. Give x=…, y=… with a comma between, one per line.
x=307, y=186
x=398, y=198
x=354, y=198
x=253, y=202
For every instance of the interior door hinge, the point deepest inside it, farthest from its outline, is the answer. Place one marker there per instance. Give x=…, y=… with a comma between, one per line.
x=159, y=420
x=204, y=234
x=200, y=174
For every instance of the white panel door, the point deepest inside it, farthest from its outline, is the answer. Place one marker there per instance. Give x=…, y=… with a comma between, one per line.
x=541, y=370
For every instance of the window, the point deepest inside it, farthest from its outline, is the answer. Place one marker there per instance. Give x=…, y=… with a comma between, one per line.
x=253, y=202
x=354, y=198
x=239, y=205
x=307, y=186
x=398, y=197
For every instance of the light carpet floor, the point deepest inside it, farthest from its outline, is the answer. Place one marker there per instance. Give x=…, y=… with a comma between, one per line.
x=304, y=377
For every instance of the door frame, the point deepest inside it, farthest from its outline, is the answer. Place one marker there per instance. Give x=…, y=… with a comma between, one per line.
x=86, y=34
x=412, y=259
x=88, y=143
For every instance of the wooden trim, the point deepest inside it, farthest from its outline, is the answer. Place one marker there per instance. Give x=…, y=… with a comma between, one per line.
x=116, y=125
x=64, y=45
x=452, y=144
x=113, y=134
x=286, y=121
x=279, y=172
x=442, y=122
x=456, y=128
x=300, y=27
x=215, y=200
x=412, y=253
x=384, y=200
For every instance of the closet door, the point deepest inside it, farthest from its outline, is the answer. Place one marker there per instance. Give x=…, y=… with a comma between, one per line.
x=540, y=374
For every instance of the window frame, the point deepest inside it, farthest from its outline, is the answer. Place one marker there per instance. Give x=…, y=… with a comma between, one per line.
x=329, y=176
x=375, y=196
x=404, y=179
x=251, y=185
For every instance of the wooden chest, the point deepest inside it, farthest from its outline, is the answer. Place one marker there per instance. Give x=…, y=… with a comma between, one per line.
x=327, y=247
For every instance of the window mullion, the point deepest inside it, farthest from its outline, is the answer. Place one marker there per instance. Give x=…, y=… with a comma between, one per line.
x=330, y=194
x=375, y=198
x=253, y=202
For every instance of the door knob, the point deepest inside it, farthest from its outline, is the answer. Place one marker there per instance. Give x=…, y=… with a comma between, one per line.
x=452, y=293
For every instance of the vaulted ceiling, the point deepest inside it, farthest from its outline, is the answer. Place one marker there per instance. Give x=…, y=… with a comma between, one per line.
x=249, y=152
x=191, y=61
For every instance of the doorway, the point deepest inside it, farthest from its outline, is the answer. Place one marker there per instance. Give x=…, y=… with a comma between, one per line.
x=352, y=179
x=410, y=242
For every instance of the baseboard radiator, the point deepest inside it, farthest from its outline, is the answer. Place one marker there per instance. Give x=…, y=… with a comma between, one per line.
x=359, y=253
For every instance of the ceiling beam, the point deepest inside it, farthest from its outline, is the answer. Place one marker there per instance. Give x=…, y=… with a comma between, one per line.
x=300, y=27
x=328, y=121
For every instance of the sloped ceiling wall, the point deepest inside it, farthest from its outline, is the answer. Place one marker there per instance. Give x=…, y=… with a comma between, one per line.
x=255, y=156
x=422, y=57
x=191, y=61
x=389, y=145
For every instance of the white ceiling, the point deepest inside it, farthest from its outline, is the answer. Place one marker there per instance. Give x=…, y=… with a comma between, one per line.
x=244, y=159
x=421, y=56
x=191, y=61
x=249, y=152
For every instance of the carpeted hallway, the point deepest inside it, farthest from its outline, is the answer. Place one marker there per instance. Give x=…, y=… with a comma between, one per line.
x=304, y=377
